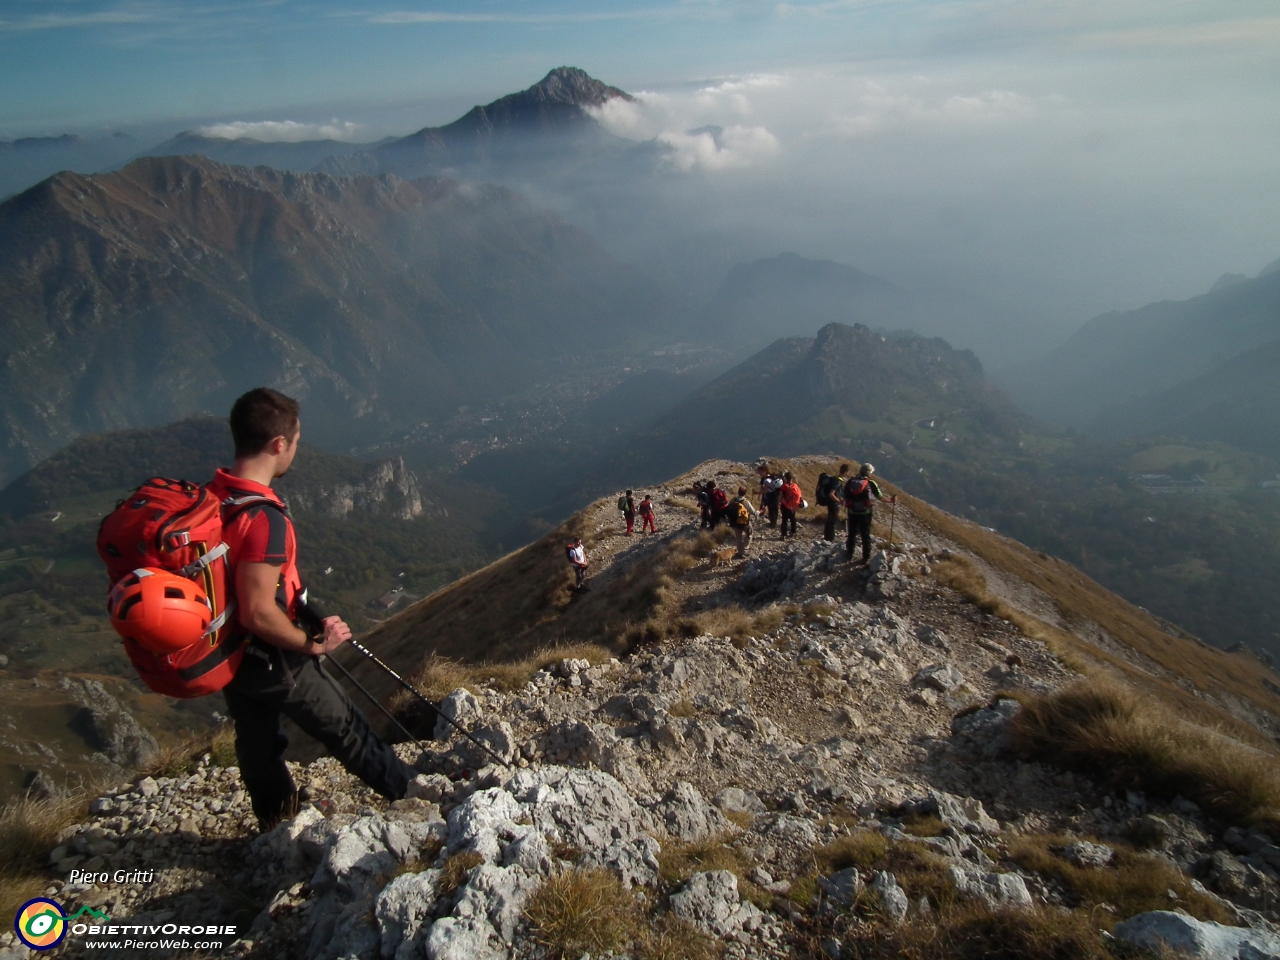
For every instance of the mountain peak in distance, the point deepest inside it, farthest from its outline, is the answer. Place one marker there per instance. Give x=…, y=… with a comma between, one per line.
x=557, y=100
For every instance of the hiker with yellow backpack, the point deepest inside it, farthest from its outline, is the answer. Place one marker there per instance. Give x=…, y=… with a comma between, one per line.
x=741, y=514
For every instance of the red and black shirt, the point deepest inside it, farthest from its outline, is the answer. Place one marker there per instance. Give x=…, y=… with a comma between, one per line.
x=260, y=533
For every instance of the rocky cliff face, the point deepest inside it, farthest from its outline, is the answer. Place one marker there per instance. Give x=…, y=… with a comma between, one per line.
x=388, y=488
x=832, y=771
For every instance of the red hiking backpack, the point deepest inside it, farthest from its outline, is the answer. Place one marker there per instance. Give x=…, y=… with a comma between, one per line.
x=857, y=494
x=177, y=526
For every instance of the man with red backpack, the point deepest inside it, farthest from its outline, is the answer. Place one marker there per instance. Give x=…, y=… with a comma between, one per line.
x=719, y=502
x=281, y=673
x=858, y=494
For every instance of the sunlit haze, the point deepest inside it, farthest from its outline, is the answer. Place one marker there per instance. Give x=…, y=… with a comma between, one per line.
x=1044, y=161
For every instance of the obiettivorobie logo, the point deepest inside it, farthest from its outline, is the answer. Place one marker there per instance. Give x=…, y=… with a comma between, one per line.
x=42, y=923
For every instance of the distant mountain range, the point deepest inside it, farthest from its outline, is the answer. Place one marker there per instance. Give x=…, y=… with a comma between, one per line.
x=300, y=157
x=169, y=287
x=547, y=123
x=850, y=390
x=29, y=160
x=1121, y=364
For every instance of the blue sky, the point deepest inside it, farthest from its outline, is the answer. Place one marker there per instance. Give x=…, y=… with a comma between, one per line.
x=90, y=64
x=1056, y=157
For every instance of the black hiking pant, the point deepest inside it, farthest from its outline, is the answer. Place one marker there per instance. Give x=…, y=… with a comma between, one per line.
x=271, y=683
x=833, y=520
x=788, y=516
x=771, y=504
x=860, y=525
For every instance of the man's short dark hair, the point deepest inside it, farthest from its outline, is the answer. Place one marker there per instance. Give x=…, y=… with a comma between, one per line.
x=260, y=416
x=844, y=468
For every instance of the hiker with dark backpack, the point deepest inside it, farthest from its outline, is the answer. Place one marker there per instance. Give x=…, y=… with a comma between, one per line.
x=829, y=495
x=789, y=500
x=628, y=507
x=741, y=513
x=646, y=515
x=858, y=495
x=719, y=501
x=702, y=495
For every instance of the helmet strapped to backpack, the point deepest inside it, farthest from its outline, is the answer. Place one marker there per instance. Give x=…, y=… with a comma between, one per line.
x=167, y=536
x=160, y=611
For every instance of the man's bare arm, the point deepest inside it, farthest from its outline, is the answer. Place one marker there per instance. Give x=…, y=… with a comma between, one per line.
x=256, y=585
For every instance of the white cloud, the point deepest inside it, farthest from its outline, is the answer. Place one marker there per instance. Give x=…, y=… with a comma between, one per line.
x=702, y=128
x=282, y=131
x=717, y=149
x=877, y=109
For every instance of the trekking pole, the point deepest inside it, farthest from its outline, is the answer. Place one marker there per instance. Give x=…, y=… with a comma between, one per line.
x=307, y=610
x=412, y=689
x=374, y=700
x=893, y=517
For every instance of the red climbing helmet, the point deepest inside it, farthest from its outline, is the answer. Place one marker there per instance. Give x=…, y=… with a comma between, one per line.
x=161, y=611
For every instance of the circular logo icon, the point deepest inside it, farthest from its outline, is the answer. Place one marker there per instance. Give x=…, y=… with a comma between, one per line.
x=41, y=924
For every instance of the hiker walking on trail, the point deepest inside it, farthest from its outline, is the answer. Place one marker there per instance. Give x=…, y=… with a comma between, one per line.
x=719, y=501
x=789, y=500
x=770, y=485
x=627, y=504
x=858, y=495
x=646, y=515
x=577, y=555
x=281, y=673
x=830, y=495
x=741, y=513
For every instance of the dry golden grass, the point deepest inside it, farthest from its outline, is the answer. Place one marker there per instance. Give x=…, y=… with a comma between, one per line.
x=1133, y=884
x=440, y=676
x=974, y=932
x=28, y=831
x=922, y=826
x=864, y=849
x=180, y=757
x=683, y=708
x=455, y=870
x=1123, y=738
x=672, y=939
x=679, y=860
x=1079, y=599
x=581, y=911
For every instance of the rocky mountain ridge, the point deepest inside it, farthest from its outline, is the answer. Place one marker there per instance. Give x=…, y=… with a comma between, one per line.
x=835, y=766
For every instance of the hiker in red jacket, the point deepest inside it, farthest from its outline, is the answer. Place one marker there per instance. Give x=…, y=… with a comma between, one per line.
x=646, y=516
x=789, y=500
x=281, y=674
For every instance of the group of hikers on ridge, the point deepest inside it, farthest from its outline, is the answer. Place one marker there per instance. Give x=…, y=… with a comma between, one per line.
x=778, y=496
